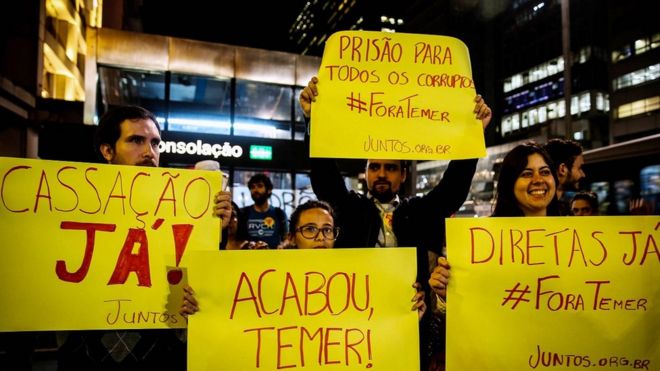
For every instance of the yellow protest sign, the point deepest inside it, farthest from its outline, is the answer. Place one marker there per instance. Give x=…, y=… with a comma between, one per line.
x=562, y=292
x=93, y=246
x=337, y=309
x=395, y=96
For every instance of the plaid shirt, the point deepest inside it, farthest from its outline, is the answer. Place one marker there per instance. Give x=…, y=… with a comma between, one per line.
x=122, y=350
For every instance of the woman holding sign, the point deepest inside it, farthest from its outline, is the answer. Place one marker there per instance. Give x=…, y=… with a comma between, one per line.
x=312, y=227
x=526, y=187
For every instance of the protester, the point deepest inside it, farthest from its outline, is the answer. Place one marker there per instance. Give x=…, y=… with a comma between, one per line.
x=526, y=187
x=312, y=227
x=381, y=217
x=129, y=135
x=527, y=183
x=567, y=160
x=584, y=204
x=261, y=221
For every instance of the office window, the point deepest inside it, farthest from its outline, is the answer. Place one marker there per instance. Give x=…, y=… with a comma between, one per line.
x=533, y=116
x=199, y=104
x=655, y=41
x=552, y=110
x=584, y=54
x=638, y=77
x=585, y=102
x=543, y=114
x=574, y=105
x=638, y=107
x=515, y=121
x=525, y=120
x=263, y=110
x=642, y=45
x=561, y=108
x=506, y=125
x=600, y=101
x=621, y=53
x=119, y=87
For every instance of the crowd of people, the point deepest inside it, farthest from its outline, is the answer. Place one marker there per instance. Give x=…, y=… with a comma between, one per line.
x=535, y=180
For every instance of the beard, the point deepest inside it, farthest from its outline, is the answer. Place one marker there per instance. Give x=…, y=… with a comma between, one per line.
x=571, y=184
x=260, y=198
x=382, y=194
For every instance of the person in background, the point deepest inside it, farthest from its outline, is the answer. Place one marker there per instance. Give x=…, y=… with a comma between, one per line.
x=262, y=221
x=129, y=135
x=567, y=160
x=232, y=240
x=584, y=204
x=312, y=227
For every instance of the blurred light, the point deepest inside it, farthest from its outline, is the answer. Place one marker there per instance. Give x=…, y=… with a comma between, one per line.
x=261, y=152
x=265, y=130
x=188, y=121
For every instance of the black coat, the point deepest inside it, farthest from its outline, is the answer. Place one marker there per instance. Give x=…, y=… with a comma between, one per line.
x=417, y=221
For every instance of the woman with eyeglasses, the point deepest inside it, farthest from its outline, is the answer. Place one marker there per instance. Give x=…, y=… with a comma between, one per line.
x=312, y=226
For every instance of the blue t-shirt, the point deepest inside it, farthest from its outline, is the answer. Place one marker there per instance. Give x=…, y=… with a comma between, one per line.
x=269, y=226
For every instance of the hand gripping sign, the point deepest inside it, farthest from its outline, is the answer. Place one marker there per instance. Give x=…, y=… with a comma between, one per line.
x=395, y=96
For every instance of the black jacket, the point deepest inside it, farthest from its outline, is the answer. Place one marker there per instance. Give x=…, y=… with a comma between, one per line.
x=417, y=221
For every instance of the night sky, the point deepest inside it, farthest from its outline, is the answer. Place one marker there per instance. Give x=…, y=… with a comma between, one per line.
x=262, y=24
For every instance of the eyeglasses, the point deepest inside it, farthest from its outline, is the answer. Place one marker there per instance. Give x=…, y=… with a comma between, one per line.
x=310, y=232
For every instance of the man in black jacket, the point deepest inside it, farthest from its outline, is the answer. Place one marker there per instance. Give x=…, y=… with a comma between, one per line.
x=382, y=218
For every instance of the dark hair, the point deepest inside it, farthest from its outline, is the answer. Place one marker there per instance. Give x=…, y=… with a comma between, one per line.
x=261, y=178
x=588, y=196
x=404, y=164
x=513, y=165
x=563, y=151
x=108, y=131
x=311, y=204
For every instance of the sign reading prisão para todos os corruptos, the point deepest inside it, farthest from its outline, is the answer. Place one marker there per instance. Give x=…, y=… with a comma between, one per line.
x=395, y=96
x=93, y=246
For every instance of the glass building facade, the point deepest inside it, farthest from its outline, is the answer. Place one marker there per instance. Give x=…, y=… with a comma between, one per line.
x=241, y=103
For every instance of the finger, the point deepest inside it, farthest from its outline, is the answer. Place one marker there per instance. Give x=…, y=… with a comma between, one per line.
x=418, y=296
x=437, y=285
x=441, y=272
x=440, y=279
x=443, y=262
x=483, y=112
